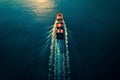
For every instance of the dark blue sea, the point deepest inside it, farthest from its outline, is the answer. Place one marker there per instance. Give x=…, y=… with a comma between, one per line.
x=94, y=40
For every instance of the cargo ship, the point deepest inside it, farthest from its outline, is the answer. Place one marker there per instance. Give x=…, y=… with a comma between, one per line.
x=59, y=26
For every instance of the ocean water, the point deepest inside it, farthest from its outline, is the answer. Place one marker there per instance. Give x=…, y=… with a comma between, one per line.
x=94, y=47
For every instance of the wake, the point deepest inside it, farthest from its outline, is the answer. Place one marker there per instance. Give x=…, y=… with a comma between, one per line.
x=59, y=67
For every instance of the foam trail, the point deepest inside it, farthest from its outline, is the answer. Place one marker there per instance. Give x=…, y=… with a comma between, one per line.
x=51, y=58
x=67, y=54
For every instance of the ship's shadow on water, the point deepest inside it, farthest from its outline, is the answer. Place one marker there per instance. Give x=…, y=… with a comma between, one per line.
x=93, y=35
